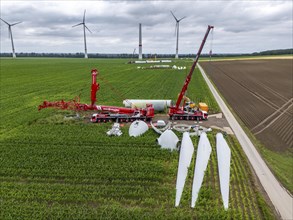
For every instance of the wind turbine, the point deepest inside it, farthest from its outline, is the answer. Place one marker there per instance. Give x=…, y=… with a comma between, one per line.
x=10, y=35
x=84, y=36
x=177, y=32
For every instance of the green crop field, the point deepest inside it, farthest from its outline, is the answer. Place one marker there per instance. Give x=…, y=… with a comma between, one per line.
x=57, y=169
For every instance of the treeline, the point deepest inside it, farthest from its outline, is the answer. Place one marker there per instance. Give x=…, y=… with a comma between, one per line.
x=274, y=52
x=146, y=56
x=103, y=55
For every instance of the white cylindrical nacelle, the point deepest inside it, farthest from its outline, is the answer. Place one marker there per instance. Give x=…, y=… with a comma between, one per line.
x=159, y=105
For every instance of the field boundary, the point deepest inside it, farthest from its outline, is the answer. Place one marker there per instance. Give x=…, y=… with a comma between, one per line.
x=279, y=196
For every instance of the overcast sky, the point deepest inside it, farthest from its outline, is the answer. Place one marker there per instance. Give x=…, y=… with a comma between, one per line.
x=240, y=26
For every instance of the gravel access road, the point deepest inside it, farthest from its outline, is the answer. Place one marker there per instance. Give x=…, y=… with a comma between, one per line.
x=279, y=196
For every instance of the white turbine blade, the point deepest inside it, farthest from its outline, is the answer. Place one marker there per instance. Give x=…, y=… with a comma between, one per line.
x=181, y=18
x=88, y=29
x=84, y=16
x=203, y=154
x=5, y=22
x=137, y=128
x=16, y=23
x=185, y=157
x=77, y=24
x=168, y=140
x=224, y=157
x=181, y=177
x=174, y=16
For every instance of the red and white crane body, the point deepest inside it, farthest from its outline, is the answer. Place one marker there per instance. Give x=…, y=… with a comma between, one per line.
x=176, y=112
x=103, y=113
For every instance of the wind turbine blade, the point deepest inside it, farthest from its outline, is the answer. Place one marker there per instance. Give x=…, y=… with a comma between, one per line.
x=5, y=22
x=16, y=23
x=181, y=18
x=174, y=16
x=77, y=24
x=84, y=16
x=88, y=29
x=224, y=158
x=185, y=157
x=202, y=158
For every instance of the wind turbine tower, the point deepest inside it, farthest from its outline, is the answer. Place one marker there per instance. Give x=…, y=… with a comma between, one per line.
x=177, y=32
x=140, y=43
x=84, y=35
x=10, y=35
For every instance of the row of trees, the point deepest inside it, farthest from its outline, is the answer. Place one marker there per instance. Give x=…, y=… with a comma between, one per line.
x=135, y=56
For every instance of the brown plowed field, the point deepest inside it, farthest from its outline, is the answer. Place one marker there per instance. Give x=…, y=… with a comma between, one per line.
x=260, y=92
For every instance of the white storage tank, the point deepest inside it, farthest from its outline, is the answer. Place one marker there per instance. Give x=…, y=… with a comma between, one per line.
x=159, y=105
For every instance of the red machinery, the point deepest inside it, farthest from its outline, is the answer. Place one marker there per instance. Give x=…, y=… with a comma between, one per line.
x=104, y=113
x=185, y=112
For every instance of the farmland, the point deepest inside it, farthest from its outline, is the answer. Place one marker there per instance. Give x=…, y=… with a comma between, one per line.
x=51, y=168
x=260, y=93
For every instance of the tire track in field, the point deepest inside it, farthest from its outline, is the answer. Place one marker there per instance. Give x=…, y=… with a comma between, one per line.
x=275, y=119
x=274, y=114
x=272, y=91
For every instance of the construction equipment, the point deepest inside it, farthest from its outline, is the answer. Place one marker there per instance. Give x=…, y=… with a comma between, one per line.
x=188, y=111
x=104, y=113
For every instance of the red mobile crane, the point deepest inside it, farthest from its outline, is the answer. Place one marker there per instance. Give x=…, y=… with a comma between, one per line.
x=104, y=113
x=189, y=112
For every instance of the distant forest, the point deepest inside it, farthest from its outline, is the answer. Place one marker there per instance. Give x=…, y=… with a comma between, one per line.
x=147, y=56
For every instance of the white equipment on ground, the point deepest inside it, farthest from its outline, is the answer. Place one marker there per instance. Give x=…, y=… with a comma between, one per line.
x=161, y=123
x=198, y=130
x=168, y=140
x=115, y=130
x=161, y=130
x=137, y=128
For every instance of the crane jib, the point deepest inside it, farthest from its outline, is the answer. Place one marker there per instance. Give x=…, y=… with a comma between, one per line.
x=188, y=78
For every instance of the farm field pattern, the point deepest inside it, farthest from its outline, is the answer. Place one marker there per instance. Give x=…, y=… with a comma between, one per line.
x=260, y=92
x=51, y=168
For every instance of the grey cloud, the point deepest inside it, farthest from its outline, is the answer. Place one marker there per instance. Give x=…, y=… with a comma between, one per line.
x=240, y=26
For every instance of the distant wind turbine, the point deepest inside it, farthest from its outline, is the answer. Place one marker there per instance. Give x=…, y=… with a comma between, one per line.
x=10, y=35
x=177, y=32
x=84, y=36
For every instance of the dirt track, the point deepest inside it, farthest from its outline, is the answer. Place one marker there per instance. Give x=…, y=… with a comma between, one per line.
x=279, y=196
x=260, y=92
